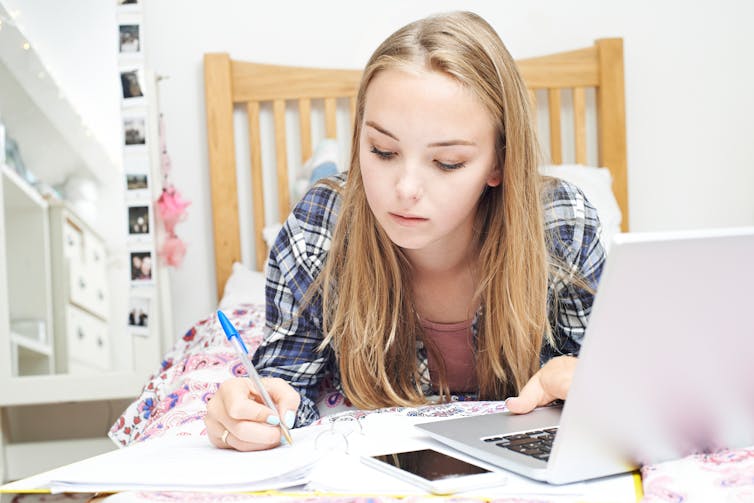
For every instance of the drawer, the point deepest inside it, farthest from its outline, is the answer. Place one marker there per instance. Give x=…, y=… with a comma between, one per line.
x=88, y=289
x=88, y=341
x=73, y=242
x=87, y=280
x=94, y=252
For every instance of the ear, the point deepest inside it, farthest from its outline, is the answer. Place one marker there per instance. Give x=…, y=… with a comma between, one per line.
x=495, y=178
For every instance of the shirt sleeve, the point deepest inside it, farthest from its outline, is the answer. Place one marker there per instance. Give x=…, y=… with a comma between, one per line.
x=293, y=328
x=573, y=230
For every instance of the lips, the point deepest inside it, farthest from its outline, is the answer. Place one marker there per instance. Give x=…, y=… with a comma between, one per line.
x=407, y=219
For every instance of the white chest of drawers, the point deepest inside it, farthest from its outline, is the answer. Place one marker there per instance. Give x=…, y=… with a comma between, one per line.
x=80, y=294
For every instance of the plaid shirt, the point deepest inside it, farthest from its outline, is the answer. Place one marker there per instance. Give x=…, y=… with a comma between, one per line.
x=289, y=348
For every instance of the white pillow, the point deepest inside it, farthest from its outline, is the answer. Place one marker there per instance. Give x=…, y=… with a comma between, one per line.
x=243, y=287
x=597, y=185
x=270, y=234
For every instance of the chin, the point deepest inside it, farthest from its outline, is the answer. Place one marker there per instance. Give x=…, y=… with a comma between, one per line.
x=407, y=242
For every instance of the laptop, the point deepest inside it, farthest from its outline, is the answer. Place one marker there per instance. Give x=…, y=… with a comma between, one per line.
x=666, y=367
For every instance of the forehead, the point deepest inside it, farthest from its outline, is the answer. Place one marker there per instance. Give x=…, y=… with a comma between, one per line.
x=418, y=97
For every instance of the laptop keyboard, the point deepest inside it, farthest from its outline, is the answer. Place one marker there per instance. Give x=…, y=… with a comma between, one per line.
x=535, y=443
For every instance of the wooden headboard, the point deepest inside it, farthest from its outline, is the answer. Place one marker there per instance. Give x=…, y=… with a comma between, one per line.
x=229, y=83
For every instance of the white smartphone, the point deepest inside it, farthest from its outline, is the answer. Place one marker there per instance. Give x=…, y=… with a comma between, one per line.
x=435, y=471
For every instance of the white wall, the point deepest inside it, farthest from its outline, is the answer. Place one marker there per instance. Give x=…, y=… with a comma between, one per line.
x=688, y=92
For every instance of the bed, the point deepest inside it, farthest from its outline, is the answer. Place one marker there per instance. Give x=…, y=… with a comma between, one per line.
x=579, y=99
x=293, y=111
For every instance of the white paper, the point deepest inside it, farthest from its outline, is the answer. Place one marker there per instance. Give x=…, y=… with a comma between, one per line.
x=187, y=463
x=191, y=463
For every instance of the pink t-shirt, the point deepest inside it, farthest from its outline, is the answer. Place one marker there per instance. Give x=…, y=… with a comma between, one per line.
x=454, y=342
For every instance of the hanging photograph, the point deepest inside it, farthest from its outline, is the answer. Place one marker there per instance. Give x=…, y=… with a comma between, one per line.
x=137, y=185
x=129, y=39
x=142, y=267
x=135, y=132
x=138, y=315
x=136, y=167
x=139, y=222
x=128, y=5
x=132, y=85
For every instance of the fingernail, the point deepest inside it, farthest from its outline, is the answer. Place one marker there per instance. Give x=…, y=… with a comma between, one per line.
x=290, y=418
x=273, y=420
x=283, y=441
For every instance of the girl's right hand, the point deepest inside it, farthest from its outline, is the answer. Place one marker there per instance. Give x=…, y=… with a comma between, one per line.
x=238, y=408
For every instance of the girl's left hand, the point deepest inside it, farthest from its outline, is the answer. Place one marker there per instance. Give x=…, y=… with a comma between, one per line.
x=551, y=382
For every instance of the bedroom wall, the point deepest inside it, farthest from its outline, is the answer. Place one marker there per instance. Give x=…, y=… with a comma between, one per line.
x=688, y=82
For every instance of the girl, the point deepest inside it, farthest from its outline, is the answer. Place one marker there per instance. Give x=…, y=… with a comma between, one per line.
x=441, y=264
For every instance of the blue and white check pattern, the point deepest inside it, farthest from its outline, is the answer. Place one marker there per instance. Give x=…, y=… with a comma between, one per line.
x=289, y=348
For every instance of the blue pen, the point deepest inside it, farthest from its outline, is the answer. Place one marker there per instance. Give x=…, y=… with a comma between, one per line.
x=237, y=342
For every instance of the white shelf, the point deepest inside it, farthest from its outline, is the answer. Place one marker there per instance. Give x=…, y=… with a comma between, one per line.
x=30, y=344
x=19, y=194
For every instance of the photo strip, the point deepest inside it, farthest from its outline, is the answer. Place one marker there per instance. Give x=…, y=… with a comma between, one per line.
x=139, y=222
x=135, y=132
x=137, y=185
x=139, y=315
x=129, y=39
x=129, y=5
x=142, y=267
x=132, y=85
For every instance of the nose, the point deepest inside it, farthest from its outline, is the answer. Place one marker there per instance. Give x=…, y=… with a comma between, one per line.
x=409, y=184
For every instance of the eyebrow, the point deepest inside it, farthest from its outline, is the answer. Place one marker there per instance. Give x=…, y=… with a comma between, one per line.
x=444, y=143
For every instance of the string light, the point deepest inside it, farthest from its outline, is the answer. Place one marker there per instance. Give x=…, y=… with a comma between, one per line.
x=12, y=19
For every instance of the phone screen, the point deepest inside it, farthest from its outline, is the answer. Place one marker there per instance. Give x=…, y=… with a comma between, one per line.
x=430, y=465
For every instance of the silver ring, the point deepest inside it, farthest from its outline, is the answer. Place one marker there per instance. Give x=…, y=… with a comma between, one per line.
x=224, y=437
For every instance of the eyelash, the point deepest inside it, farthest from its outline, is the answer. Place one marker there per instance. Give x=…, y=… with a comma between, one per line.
x=386, y=156
x=381, y=154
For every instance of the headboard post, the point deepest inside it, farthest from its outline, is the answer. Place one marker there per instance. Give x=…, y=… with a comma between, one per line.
x=218, y=98
x=612, y=119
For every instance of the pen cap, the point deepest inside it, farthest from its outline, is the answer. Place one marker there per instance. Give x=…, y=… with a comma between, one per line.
x=228, y=327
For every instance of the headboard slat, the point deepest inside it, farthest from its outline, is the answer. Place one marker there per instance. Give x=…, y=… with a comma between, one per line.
x=305, y=127
x=331, y=124
x=579, y=124
x=257, y=180
x=556, y=142
x=281, y=160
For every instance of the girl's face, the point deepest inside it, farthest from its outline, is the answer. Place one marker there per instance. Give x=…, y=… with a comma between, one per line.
x=427, y=152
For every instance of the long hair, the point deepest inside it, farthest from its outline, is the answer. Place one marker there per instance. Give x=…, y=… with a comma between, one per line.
x=369, y=313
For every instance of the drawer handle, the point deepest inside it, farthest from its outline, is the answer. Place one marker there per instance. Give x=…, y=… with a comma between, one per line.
x=69, y=239
x=80, y=333
x=100, y=342
x=96, y=257
x=100, y=295
x=82, y=283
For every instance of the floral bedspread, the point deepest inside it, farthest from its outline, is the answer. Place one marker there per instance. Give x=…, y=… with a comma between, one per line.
x=173, y=402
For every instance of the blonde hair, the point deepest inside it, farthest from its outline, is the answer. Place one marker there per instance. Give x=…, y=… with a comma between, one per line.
x=368, y=311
